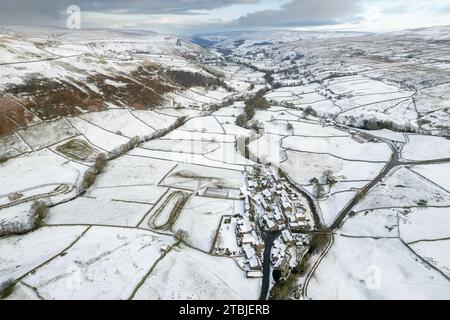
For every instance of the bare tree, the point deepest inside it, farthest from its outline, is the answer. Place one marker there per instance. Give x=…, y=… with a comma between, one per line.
x=181, y=235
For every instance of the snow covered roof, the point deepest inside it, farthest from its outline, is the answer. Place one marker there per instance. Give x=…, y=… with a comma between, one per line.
x=248, y=251
x=287, y=236
x=254, y=262
x=269, y=222
x=244, y=226
x=248, y=238
x=286, y=205
x=267, y=193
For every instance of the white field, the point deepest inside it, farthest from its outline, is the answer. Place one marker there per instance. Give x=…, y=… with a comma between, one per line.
x=292, y=91
x=267, y=148
x=322, y=107
x=19, y=50
x=309, y=129
x=201, y=219
x=289, y=94
x=191, y=97
x=225, y=119
x=232, y=111
x=372, y=223
x=120, y=122
x=182, y=146
x=343, y=147
x=12, y=145
x=284, y=115
x=341, y=186
x=370, y=269
x=187, y=274
x=196, y=177
x=97, y=212
x=19, y=254
x=278, y=127
x=140, y=194
x=156, y=155
x=204, y=124
x=435, y=253
x=433, y=98
x=400, y=112
x=403, y=188
x=177, y=135
x=179, y=112
x=155, y=120
x=184, y=98
x=386, y=100
x=133, y=170
x=387, y=134
x=361, y=86
x=437, y=173
x=227, y=153
x=233, y=129
x=106, y=263
x=302, y=167
x=97, y=136
x=45, y=134
x=37, y=170
x=308, y=99
x=346, y=186
x=425, y=224
x=331, y=206
x=426, y=148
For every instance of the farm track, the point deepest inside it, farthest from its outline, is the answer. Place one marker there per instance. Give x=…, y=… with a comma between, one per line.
x=60, y=189
x=180, y=198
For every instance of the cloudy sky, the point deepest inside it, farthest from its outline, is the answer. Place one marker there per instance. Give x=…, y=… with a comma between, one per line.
x=193, y=16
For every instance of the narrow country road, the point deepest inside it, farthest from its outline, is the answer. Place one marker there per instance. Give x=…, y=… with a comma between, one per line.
x=349, y=207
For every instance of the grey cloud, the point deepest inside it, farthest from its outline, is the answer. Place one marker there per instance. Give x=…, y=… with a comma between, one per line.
x=304, y=13
x=51, y=12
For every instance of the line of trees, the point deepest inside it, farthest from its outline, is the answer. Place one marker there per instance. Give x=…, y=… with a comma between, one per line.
x=256, y=102
x=33, y=220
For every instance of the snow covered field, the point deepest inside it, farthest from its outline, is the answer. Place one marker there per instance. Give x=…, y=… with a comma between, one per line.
x=422, y=148
x=105, y=263
x=378, y=266
x=189, y=274
x=201, y=219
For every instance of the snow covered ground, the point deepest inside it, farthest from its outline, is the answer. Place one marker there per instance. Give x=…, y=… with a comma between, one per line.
x=419, y=148
x=369, y=269
x=189, y=274
x=201, y=218
x=105, y=263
